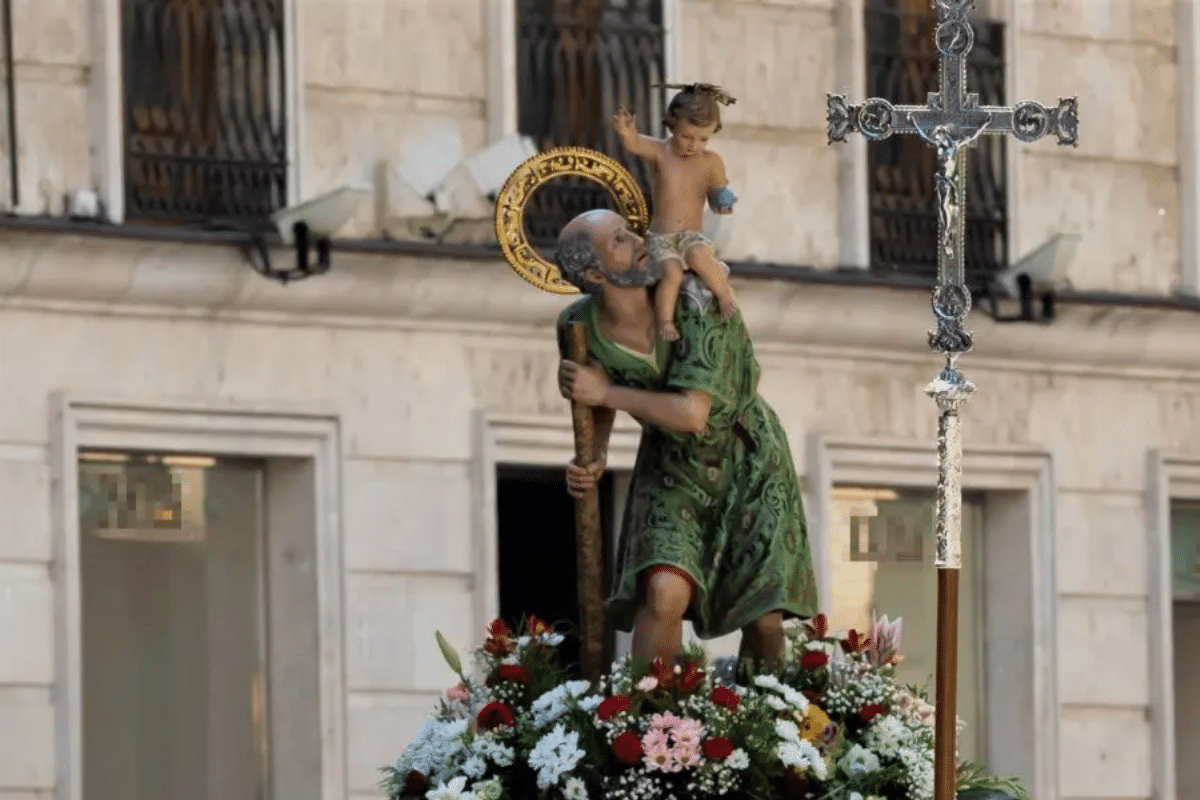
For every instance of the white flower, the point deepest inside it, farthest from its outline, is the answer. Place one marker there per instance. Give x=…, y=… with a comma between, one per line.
x=887, y=736
x=435, y=745
x=803, y=755
x=489, y=789
x=554, y=755
x=784, y=697
x=855, y=796
x=647, y=684
x=552, y=705
x=859, y=761
x=738, y=759
x=487, y=746
x=797, y=700
x=590, y=704
x=451, y=791
x=787, y=730
x=552, y=639
x=767, y=682
x=575, y=789
x=919, y=772
x=474, y=767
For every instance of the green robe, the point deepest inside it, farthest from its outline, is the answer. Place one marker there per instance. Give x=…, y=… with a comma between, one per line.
x=724, y=505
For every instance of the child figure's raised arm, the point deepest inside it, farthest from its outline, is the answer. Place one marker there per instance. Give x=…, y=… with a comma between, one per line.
x=625, y=124
x=720, y=197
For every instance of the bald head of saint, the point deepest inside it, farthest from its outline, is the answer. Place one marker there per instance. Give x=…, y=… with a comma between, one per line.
x=597, y=247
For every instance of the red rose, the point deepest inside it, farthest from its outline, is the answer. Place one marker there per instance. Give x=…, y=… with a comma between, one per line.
x=691, y=679
x=513, y=672
x=725, y=697
x=871, y=711
x=611, y=706
x=717, y=748
x=664, y=674
x=495, y=715
x=627, y=748
x=813, y=659
x=415, y=784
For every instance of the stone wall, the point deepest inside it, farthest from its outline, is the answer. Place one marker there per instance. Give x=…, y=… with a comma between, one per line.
x=1120, y=188
x=409, y=387
x=375, y=73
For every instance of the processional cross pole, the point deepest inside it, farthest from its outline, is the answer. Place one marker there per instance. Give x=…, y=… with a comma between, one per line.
x=950, y=121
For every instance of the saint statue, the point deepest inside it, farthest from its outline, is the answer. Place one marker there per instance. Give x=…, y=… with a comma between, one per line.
x=714, y=528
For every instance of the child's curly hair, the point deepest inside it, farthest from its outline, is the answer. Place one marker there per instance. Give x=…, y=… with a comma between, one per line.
x=697, y=104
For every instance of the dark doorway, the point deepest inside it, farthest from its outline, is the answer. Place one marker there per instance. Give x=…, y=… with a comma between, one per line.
x=535, y=526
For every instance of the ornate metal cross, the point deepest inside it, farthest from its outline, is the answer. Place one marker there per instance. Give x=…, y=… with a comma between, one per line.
x=950, y=121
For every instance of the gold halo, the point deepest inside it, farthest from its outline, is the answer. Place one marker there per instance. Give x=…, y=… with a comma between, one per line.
x=540, y=169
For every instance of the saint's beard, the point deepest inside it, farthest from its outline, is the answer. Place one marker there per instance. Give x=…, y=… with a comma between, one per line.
x=643, y=275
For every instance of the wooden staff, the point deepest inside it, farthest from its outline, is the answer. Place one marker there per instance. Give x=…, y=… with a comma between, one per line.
x=945, y=721
x=589, y=558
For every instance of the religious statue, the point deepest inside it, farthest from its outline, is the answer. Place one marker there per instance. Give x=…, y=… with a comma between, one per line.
x=685, y=173
x=714, y=529
x=949, y=205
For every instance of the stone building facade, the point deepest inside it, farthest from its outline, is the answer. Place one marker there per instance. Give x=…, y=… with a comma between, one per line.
x=236, y=511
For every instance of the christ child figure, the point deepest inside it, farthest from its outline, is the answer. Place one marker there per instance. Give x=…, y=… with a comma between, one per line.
x=685, y=174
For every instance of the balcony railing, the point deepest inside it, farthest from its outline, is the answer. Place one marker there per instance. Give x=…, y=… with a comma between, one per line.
x=902, y=67
x=578, y=61
x=205, y=129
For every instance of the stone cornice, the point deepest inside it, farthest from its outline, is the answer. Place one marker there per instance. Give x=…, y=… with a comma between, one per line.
x=478, y=295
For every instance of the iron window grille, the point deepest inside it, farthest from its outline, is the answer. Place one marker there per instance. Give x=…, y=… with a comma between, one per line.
x=205, y=128
x=578, y=61
x=902, y=66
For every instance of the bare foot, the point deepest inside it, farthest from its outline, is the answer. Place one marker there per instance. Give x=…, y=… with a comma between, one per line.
x=667, y=331
x=728, y=305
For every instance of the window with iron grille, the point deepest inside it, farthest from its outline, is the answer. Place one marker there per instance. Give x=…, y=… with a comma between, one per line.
x=205, y=130
x=902, y=66
x=578, y=61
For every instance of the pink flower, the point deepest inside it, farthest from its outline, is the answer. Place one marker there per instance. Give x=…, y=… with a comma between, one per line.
x=657, y=756
x=687, y=757
x=885, y=642
x=664, y=721
x=655, y=738
x=688, y=733
x=458, y=693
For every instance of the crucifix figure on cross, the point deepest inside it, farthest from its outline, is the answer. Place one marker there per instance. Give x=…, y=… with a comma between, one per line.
x=950, y=121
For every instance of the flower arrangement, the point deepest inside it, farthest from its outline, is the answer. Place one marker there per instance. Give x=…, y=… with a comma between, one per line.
x=833, y=724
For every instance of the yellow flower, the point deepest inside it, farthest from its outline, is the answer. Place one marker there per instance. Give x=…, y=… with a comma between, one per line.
x=812, y=727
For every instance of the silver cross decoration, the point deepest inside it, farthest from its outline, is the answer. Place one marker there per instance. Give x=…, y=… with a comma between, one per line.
x=950, y=121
